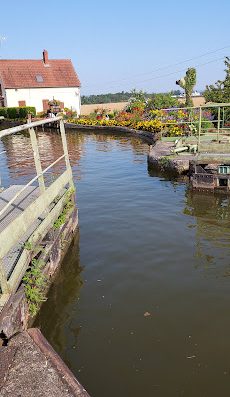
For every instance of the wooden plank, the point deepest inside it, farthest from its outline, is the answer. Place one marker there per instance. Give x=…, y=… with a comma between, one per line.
x=38, y=235
x=3, y=279
x=15, y=230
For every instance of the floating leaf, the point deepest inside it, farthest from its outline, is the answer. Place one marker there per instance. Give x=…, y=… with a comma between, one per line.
x=147, y=314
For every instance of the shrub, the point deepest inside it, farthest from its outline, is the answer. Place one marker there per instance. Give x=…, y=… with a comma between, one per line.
x=3, y=112
x=162, y=101
x=17, y=112
x=13, y=113
x=34, y=284
x=25, y=110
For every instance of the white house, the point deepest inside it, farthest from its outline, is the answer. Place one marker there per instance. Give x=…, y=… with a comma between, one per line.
x=28, y=82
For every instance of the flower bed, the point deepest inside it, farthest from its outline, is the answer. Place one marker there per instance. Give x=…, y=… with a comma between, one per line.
x=181, y=121
x=151, y=126
x=139, y=116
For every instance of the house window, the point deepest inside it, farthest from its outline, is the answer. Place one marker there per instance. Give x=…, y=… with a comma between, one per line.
x=39, y=78
x=21, y=103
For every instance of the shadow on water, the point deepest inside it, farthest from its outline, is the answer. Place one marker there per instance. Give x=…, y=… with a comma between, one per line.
x=63, y=294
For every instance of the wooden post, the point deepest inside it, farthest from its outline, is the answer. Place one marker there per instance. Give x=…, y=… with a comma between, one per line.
x=66, y=153
x=37, y=160
x=3, y=280
x=218, y=126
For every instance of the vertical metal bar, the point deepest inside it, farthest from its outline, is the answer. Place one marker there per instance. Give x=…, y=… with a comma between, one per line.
x=65, y=150
x=3, y=280
x=190, y=120
x=223, y=118
x=37, y=160
x=199, y=130
x=218, y=125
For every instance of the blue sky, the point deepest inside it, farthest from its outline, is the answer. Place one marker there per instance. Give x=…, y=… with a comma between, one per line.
x=120, y=45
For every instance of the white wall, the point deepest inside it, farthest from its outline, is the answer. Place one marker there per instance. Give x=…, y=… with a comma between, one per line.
x=34, y=96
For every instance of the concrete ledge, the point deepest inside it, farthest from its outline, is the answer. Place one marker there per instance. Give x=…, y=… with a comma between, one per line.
x=30, y=367
x=160, y=156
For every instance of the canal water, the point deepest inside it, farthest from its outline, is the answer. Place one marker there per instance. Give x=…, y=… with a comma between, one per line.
x=141, y=304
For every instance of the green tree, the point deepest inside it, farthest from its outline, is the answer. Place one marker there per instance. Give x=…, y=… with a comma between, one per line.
x=137, y=101
x=162, y=101
x=188, y=83
x=106, y=98
x=138, y=96
x=220, y=91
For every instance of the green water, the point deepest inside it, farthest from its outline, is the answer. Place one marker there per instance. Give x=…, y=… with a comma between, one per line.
x=141, y=306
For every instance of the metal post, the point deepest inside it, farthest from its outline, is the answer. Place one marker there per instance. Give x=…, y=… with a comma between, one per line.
x=37, y=160
x=223, y=119
x=199, y=130
x=65, y=149
x=3, y=280
x=218, y=125
x=190, y=119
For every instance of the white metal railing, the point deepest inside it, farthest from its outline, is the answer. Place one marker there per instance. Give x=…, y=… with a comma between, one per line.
x=23, y=127
x=29, y=184
x=18, y=227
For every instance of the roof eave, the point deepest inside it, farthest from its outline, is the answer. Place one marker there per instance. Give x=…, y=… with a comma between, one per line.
x=30, y=87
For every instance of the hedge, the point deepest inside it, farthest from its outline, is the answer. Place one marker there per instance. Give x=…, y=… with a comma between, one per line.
x=17, y=112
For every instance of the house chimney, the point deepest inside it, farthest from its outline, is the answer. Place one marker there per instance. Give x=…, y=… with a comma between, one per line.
x=45, y=57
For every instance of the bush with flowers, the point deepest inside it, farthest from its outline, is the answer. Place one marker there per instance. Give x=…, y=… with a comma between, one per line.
x=145, y=125
x=176, y=122
x=140, y=116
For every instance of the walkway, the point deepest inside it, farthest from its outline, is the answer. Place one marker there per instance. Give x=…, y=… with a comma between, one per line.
x=11, y=213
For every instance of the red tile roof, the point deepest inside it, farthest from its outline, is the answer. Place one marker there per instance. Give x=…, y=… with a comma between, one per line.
x=35, y=73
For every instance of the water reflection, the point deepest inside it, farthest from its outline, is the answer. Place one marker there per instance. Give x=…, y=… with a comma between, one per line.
x=211, y=213
x=19, y=156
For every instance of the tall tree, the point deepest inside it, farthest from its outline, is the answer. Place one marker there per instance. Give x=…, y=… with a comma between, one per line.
x=220, y=91
x=188, y=83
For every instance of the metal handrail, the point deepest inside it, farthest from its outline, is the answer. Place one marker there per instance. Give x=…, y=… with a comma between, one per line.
x=19, y=128
x=41, y=205
x=29, y=184
x=199, y=121
x=211, y=105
